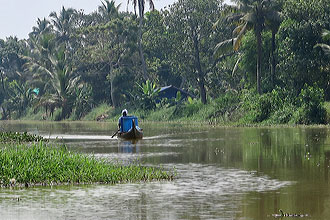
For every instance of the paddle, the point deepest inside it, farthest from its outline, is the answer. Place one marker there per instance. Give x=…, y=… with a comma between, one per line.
x=114, y=134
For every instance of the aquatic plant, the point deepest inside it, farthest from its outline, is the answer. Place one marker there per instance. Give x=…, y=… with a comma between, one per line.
x=45, y=164
x=19, y=137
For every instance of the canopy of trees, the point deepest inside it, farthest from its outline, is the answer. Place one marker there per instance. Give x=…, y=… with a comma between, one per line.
x=73, y=61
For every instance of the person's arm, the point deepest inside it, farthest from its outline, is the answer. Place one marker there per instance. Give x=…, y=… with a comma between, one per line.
x=119, y=124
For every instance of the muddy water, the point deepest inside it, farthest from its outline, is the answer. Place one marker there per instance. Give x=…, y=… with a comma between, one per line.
x=222, y=173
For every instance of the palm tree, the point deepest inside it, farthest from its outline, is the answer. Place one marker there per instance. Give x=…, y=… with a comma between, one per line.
x=273, y=21
x=20, y=96
x=109, y=10
x=43, y=26
x=252, y=15
x=140, y=4
x=50, y=64
x=63, y=22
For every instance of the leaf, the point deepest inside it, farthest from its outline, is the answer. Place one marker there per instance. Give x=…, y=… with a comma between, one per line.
x=238, y=39
x=223, y=48
x=324, y=47
x=190, y=100
x=236, y=65
x=326, y=34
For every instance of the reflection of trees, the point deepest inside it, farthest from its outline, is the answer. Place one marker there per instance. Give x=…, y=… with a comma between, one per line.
x=288, y=152
x=296, y=154
x=220, y=146
x=267, y=150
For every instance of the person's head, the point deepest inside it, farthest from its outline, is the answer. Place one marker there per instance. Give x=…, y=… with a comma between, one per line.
x=124, y=112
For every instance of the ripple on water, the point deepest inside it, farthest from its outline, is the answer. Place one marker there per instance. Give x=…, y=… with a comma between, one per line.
x=199, y=191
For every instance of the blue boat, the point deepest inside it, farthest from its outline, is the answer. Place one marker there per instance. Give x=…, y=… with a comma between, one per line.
x=129, y=128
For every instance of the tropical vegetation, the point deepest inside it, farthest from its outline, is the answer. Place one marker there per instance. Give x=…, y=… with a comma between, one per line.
x=256, y=61
x=28, y=160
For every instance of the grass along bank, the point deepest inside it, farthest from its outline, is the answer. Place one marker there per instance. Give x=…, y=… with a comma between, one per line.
x=278, y=107
x=244, y=108
x=45, y=164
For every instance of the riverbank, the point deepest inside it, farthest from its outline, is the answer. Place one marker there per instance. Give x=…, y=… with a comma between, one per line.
x=230, y=110
x=214, y=113
x=36, y=163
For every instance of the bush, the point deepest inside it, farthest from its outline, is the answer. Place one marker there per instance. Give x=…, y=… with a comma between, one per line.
x=283, y=115
x=281, y=106
x=225, y=106
x=58, y=114
x=188, y=109
x=258, y=107
x=327, y=107
x=311, y=108
x=102, y=109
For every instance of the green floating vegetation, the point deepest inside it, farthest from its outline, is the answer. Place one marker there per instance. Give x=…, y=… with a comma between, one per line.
x=44, y=164
x=18, y=137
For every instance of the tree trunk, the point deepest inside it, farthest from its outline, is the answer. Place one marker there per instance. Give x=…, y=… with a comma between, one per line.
x=143, y=62
x=273, y=65
x=202, y=90
x=200, y=73
x=259, y=44
x=112, y=92
x=65, y=108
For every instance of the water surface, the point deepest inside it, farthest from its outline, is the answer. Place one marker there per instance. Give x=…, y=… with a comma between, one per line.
x=222, y=173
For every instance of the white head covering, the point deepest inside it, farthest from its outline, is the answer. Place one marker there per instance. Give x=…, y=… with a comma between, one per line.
x=124, y=111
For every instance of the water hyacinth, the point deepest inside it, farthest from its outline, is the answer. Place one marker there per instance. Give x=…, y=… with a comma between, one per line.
x=43, y=164
x=18, y=137
x=27, y=160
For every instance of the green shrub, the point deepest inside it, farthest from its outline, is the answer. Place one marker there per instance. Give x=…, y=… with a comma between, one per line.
x=102, y=109
x=258, y=107
x=327, y=107
x=311, y=108
x=58, y=114
x=275, y=107
x=187, y=109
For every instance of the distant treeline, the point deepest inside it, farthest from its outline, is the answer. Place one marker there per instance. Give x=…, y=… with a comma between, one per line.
x=269, y=58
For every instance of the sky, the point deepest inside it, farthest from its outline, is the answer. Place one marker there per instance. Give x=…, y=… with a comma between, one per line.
x=17, y=17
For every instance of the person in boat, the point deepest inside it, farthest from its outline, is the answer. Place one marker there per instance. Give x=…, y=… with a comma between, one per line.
x=124, y=114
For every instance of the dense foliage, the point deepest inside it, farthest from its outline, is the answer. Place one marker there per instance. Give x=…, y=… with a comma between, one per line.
x=251, y=62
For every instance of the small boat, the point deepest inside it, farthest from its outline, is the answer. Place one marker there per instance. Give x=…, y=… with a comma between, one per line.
x=130, y=129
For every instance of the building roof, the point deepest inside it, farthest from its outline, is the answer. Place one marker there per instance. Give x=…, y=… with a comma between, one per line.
x=171, y=91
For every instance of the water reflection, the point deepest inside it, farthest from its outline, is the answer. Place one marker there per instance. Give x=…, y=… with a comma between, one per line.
x=129, y=146
x=223, y=173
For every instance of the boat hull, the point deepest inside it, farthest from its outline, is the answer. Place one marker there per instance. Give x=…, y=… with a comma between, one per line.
x=134, y=133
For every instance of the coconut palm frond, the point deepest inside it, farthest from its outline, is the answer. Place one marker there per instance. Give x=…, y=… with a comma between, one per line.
x=73, y=82
x=324, y=47
x=223, y=48
x=234, y=17
x=326, y=34
x=216, y=24
x=151, y=5
x=249, y=18
x=236, y=64
x=238, y=29
x=238, y=39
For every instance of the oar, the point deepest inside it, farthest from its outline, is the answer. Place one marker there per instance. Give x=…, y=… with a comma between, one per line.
x=114, y=134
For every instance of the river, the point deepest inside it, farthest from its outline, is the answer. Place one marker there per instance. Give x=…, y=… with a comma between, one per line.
x=222, y=173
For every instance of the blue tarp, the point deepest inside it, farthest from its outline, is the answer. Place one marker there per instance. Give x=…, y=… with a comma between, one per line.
x=127, y=123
